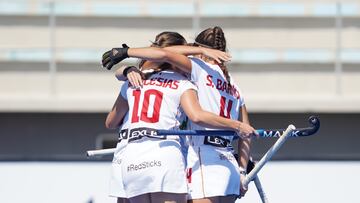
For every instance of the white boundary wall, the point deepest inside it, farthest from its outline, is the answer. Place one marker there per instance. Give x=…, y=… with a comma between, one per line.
x=82, y=182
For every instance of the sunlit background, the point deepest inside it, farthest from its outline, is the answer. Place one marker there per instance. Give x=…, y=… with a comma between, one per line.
x=291, y=59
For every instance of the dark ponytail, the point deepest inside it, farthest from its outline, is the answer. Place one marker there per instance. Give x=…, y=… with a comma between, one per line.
x=166, y=39
x=214, y=38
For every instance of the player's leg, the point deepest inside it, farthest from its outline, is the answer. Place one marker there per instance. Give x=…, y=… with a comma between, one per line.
x=205, y=200
x=228, y=199
x=122, y=200
x=219, y=199
x=145, y=198
x=164, y=197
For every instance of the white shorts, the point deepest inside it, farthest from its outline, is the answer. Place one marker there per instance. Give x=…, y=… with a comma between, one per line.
x=212, y=171
x=116, y=180
x=152, y=165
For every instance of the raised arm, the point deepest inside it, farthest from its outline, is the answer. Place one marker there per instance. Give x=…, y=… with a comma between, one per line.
x=161, y=55
x=192, y=108
x=214, y=54
x=116, y=55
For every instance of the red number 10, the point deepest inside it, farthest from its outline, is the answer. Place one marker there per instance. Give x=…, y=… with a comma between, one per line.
x=154, y=118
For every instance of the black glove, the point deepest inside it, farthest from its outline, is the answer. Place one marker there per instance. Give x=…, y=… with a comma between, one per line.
x=114, y=56
x=250, y=166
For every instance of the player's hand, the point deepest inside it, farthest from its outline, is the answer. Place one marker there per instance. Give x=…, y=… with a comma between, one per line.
x=135, y=76
x=217, y=55
x=246, y=131
x=243, y=188
x=114, y=56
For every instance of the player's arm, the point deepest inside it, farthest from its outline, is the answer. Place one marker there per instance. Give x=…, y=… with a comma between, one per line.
x=117, y=113
x=134, y=75
x=116, y=55
x=192, y=108
x=119, y=73
x=161, y=55
x=214, y=54
x=130, y=73
x=217, y=55
x=243, y=148
x=244, y=143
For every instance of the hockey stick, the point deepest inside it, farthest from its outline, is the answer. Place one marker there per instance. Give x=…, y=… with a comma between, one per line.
x=100, y=152
x=260, y=190
x=291, y=131
x=300, y=132
x=249, y=168
x=252, y=176
x=314, y=121
x=269, y=154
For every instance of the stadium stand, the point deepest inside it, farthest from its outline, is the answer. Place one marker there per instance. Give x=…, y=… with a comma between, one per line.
x=294, y=40
x=284, y=53
x=291, y=59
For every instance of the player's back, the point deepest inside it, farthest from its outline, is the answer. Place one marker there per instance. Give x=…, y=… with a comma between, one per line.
x=214, y=92
x=157, y=104
x=153, y=163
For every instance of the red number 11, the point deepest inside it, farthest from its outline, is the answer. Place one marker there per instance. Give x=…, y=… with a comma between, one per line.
x=222, y=107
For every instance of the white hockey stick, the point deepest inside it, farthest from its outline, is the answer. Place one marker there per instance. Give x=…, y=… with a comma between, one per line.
x=253, y=174
x=100, y=152
x=260, y=190
x=269, y=154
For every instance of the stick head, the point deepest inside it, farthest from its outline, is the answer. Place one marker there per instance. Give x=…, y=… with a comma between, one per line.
x=315, y=125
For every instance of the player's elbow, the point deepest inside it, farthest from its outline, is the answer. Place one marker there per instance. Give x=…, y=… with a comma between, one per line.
x=110, y=124
x=195, y=118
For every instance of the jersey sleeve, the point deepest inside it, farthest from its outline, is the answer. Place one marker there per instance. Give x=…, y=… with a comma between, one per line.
x=186, y=86
x=241, y=99
x=123, y=90
x=239, y=93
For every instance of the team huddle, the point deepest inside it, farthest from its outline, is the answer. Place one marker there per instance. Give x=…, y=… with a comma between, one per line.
x=178, y=86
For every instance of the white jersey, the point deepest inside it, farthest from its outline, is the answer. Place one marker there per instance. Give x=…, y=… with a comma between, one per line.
x=154, y=163
x=212, y=169
x=157, y=104
x=214, y=95
x=116, y=180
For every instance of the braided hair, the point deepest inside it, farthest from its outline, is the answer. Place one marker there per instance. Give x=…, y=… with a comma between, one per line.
x=214, y=38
